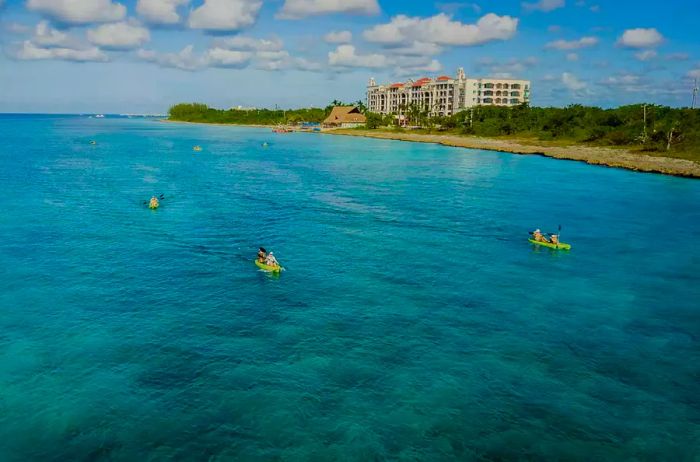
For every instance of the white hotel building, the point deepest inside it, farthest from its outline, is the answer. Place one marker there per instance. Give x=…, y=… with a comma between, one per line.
x=446, y=95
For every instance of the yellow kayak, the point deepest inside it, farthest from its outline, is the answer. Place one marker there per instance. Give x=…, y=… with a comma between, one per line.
x=560, y=246
x=269, y=268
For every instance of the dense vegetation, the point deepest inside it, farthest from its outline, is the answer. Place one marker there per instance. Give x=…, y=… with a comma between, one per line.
x=675, y=131
x=203, y=113
x=196, y=112
x=671, y=131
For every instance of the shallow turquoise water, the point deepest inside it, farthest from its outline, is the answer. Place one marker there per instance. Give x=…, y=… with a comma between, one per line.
x=414, y=321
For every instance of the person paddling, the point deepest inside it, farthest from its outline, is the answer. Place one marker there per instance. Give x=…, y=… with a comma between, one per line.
x=153, y=203
x=538, y=236
x=262, y=254
x=271, y=260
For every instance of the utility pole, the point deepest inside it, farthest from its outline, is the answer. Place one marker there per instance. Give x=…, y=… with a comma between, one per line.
x=695, y=93
x=644, y=136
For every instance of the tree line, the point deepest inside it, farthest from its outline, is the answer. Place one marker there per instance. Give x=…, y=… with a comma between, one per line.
x=197, y=112
x=648, y=126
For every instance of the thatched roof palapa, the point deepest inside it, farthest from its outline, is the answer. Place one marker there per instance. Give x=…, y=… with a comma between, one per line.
x=344, y=115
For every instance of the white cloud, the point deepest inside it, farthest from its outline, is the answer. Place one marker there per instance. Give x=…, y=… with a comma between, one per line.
x=79, y=11
x=507, y=69
x=187, y=59
x=297, y=9
x=264, y=57
x=240, y=42
x=220, y=57
x=583, y=42
x=119, y=36
x=225, y=15
x=30, y=51
x=572, y=82
x=572, y=57
x=431, y=67
x=281, y=60
x=343, y=36
x=625, y=79
x=417, y=49
x=441, y=29
x=646, y=55
x=47, y=37
x=544, y=5
x=640, y=38
x=346, y=56
x=160, y=11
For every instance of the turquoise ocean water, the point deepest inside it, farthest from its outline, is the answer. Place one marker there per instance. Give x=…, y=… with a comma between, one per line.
x=414, y=321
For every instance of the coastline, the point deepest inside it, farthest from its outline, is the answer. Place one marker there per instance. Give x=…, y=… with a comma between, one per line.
x=608, y=157
x=168, y=121
x=593, y=155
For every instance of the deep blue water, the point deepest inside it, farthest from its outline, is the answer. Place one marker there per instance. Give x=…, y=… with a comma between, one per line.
x=414, y=321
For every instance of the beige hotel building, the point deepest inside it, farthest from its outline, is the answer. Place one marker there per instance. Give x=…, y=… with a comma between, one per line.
x=446, y=95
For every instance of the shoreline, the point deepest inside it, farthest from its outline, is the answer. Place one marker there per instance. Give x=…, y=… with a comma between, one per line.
x=593, y=155
x=168, y=121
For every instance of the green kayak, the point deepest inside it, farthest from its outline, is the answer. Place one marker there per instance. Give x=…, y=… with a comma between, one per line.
x=560, y=246
x=271, y=269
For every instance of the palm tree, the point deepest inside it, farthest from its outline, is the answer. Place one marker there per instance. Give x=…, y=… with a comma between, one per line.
x=361, y=106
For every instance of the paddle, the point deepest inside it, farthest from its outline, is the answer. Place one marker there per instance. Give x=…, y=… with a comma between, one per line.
x=558, y=236
x=162, y=196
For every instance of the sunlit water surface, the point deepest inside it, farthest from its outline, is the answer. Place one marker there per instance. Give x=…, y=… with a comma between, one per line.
x=414, y=321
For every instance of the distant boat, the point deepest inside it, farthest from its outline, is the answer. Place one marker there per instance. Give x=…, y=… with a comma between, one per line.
x=100, y=116
x=197, y=148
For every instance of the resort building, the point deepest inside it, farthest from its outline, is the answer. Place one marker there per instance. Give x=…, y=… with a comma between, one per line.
x=344, y=117
x=446, y=95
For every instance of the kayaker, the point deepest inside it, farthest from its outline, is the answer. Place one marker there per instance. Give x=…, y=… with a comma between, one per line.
x=554, y=239
x=538, y=236
x=271, y=260
x=153, y=203
x=262, y=254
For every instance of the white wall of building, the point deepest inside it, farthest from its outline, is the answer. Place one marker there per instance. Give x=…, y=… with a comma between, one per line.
x=447, y=95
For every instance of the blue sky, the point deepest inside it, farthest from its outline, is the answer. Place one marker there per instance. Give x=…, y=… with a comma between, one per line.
x=141, y=56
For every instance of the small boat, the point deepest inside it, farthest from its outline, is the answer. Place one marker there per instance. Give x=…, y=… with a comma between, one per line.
x=100, y=116
x=560, y=246
x=93, y=142
x=197, y=148
x=268, y=268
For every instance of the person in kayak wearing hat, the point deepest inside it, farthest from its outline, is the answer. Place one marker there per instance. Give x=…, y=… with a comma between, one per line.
x=271, y=260
x=262, y=254
x=554, y=239
x=538, y=236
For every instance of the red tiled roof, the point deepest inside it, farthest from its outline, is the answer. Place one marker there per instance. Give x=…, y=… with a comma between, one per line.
x=444, y=77
x=396, y=85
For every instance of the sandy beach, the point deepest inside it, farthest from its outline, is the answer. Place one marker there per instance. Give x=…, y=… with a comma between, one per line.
x=609, y=157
